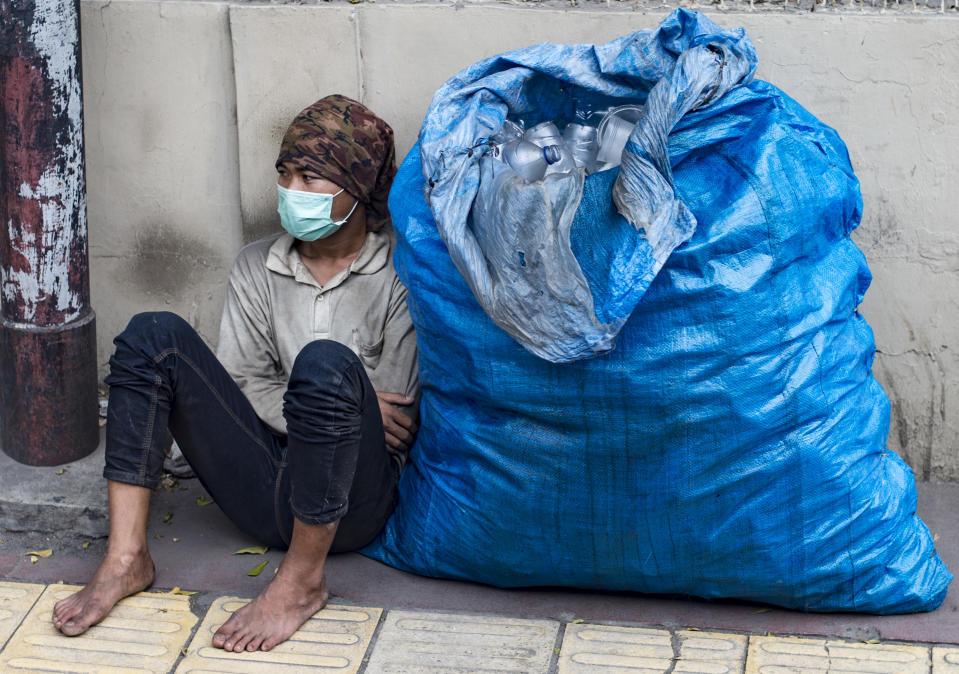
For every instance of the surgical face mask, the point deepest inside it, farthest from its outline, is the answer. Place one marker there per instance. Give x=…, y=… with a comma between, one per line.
x=306, y=215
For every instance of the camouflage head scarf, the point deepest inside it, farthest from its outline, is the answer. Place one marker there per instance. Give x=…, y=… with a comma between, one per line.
x=347, y=144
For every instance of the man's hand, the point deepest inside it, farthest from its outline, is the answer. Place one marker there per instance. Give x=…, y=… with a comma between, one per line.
x=399, y=428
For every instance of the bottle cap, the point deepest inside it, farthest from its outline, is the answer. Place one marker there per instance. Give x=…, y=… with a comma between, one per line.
x=552, y=154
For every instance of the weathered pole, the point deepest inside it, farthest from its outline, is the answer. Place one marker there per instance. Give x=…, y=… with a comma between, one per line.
x=48, y=395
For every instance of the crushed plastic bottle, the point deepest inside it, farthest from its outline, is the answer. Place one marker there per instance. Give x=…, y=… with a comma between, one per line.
x=614, y=132
x=509, y=131
x=581, y=141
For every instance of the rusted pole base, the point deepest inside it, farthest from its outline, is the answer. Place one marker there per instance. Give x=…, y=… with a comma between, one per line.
x=48, y=391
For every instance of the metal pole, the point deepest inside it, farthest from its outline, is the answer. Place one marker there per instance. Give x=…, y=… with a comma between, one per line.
x=48, y=396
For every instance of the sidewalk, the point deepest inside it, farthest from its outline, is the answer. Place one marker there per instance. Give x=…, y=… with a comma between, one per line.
x=382, y=619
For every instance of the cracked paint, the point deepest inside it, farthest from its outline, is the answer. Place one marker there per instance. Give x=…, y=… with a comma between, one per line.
x=44, y=279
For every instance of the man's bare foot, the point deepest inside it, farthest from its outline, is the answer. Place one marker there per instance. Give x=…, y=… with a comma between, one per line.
x=119, y=576
x=272, y=618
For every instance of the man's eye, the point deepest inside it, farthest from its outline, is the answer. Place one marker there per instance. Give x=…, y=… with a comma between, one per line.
x=307, y=177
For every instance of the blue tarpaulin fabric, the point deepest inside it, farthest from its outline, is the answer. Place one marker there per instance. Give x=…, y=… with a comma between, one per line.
x=695, y=412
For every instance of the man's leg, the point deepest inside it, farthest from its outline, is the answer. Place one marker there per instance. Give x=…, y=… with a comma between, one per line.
x=126, y=569
x=342, y=483
x=296, y=592
x=162, y=373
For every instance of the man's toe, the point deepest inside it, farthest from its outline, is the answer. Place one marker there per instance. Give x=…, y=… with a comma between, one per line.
x=240, y=644
x=72, y=628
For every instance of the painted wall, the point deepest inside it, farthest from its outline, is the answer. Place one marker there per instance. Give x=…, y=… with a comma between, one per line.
x=186, y=103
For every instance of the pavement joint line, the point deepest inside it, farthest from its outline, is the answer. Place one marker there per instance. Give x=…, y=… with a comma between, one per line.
x=365, y=661
x=936, y=653
x=558, y=646
x=37, y=588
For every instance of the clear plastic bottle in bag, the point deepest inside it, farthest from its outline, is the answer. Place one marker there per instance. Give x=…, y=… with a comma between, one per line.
x=530, y=161
x=546, y=134
x=581, y=141
x=509, y=131
x=614, y=132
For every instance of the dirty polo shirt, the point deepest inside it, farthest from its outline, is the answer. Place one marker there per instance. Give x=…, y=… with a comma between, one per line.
x=274, y=307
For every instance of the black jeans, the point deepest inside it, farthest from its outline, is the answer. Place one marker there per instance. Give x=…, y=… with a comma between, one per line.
x=333, y=465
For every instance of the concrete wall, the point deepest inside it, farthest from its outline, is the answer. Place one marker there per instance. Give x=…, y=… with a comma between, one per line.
x=186, y=103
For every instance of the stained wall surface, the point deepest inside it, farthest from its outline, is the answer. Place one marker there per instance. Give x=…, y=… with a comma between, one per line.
x=186, y=103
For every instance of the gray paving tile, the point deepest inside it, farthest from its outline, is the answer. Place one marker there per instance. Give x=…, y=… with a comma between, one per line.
x=426, y=643
x=791, y=655
x=589, y=648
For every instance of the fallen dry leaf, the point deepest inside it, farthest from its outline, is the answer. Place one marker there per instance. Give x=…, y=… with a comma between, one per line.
x=693, y=629
x=86, y=544
x=40, y=553
x=870, y=641
x=201, y=501
x=34, y=559
x=762, y=610
x=256, y=570
x=61, y=471
x=102, y=423
x=577, y=621
x=185, y=593
x=255, y=550
x=167, y=518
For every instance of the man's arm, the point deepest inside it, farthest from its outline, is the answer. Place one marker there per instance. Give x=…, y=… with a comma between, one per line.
x=398, y=375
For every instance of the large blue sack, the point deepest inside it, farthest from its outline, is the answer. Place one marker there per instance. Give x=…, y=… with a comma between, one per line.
x=702, y=420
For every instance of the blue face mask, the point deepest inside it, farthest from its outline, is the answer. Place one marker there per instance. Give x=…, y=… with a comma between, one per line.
x=306, y=215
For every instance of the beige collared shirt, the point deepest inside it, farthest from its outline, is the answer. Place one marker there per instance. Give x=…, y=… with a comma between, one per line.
x=274, y=307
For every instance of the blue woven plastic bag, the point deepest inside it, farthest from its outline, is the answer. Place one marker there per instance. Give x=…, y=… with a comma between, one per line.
x=675, y=395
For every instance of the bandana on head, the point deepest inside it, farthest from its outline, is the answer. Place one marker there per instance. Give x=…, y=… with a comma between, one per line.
x=347, y=144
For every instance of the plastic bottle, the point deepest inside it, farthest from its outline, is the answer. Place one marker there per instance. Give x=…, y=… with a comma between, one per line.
x=527, y=159
x=581, y=142
x=546, y=134
x=543, y=134
x=614, y=132
x=509, y=131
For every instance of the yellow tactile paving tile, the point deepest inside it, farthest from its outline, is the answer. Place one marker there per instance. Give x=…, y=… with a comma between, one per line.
x=945, y=660
x=591, y=648
x=143, y=633
x=334, y=639
x=420, y=642
x=16, y=600
x=791, y=655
